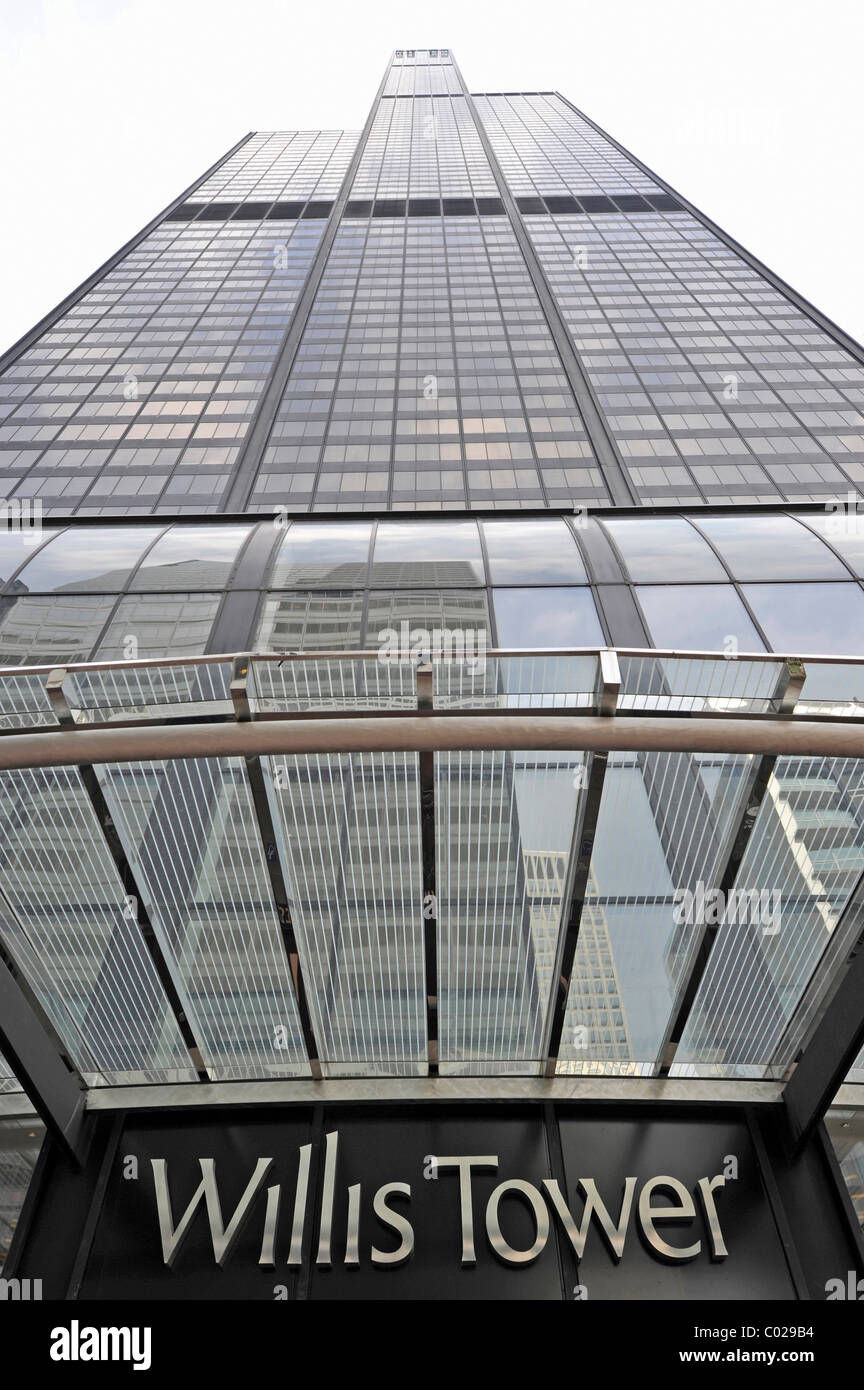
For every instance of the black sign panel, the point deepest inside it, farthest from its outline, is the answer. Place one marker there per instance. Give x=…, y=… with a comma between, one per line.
x=127, y=1258
x=414, y=1147
x=615, y=1148
x=436, y=1202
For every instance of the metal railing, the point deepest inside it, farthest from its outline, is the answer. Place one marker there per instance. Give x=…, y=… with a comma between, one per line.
x=653, y=681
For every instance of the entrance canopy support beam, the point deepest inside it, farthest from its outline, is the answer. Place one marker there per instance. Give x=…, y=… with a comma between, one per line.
x=835, y=1042
x=33, y=1057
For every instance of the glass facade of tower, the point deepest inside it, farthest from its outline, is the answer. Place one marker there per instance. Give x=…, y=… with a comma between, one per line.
x=626, y=438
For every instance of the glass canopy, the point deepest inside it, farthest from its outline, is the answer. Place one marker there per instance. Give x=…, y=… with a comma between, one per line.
x=384, y=913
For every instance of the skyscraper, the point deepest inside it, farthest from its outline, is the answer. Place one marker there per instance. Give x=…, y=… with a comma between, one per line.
x=638, y=455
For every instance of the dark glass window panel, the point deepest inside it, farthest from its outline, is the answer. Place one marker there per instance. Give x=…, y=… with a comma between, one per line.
x=663, y=547
x=285, y=212
x=698, y=617
x=563, y=203
x=524, y=552
x=217, y=212
x=771, y=547
x=664, y=202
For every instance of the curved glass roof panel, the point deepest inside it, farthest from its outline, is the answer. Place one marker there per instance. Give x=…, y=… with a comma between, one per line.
x=80, y=559
x=663, y=548
x=843, y=529
x=547, y=618
x=698, y=617
x=317, y=555
x=533, y=552
x=827, y=619
x=771, y=547
x=427, y=552
x=56, y=629
x=499, y=816
x=349, y=837
x=191, y=557
x=144, y=625
x=18, y=547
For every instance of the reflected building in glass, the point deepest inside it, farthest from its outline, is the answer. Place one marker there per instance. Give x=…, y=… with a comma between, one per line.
x=471, y=369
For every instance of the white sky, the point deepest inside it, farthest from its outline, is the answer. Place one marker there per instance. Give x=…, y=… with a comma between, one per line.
x=109, y=108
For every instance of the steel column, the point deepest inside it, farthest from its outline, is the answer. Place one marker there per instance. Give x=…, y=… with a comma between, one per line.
x=836, y=1040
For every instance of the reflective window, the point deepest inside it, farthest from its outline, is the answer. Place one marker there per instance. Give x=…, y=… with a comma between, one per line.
x=191, y=557
x=641, y=856
x=163, y=625
x=663, y=547
x=348, y=830
x=698, y=617
x=422, y=552
x=503, y=829
x=311, y=622
x=36, y=631
x=323, y=556
x=771, y=547
x=547, y=618
x=801, y=618
x=83, y=558
x=426, y=609
x=538, y=552
x=620, y=992
x=845, y=531
x=16, y=547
